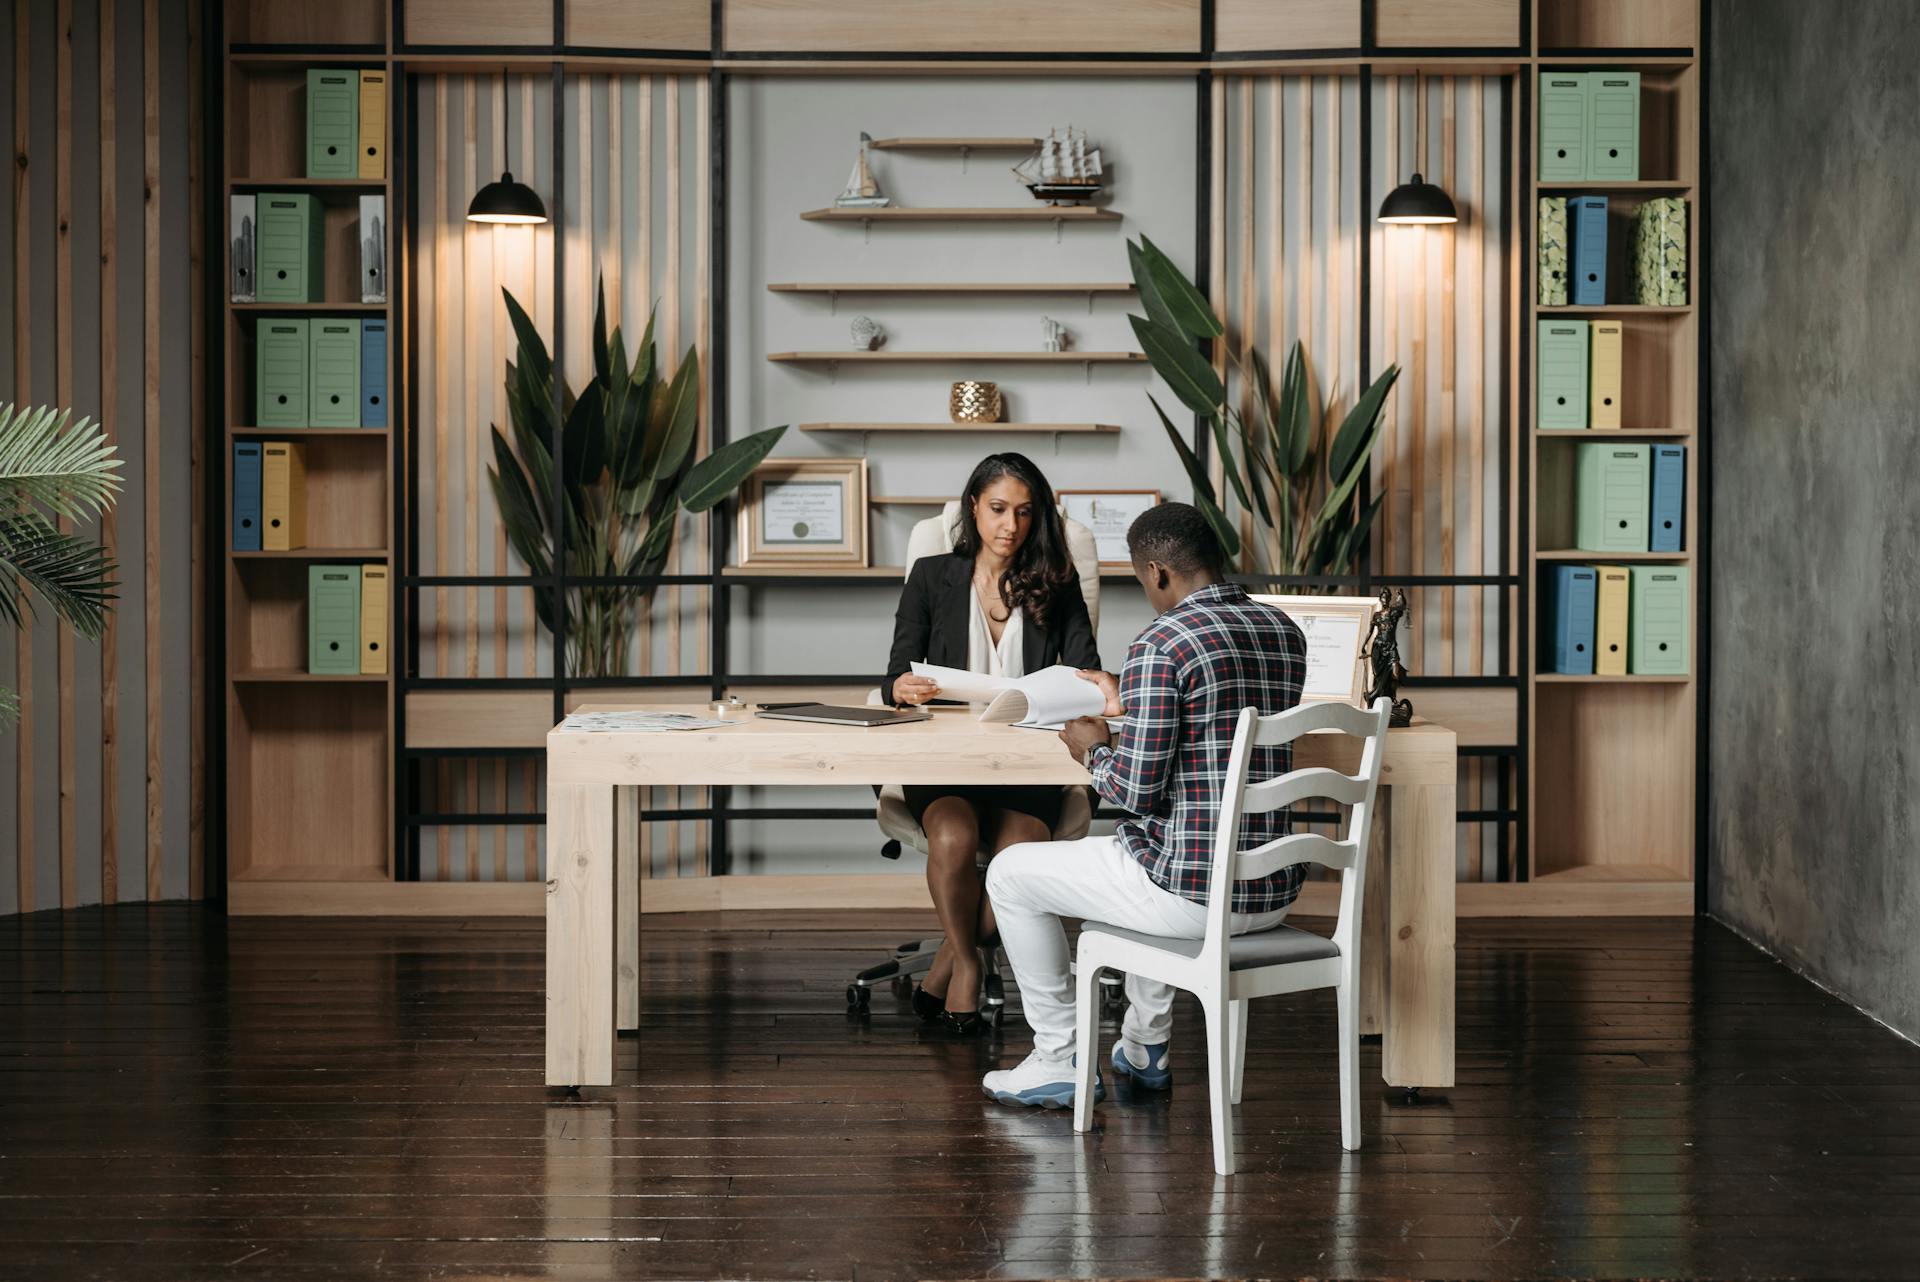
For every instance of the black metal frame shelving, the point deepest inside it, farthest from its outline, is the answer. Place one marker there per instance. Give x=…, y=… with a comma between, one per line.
x=1508, y=813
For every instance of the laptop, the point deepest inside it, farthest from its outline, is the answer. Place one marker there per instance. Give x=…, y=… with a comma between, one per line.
x=830, y=715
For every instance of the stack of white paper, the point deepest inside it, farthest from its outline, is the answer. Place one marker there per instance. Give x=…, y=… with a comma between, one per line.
x=1043, y=700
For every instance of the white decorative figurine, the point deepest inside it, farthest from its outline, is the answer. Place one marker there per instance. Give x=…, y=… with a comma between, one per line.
x=1054, y=335
x=867, y=334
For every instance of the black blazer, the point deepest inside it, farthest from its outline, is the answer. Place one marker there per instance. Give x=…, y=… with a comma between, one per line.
x=931, y=625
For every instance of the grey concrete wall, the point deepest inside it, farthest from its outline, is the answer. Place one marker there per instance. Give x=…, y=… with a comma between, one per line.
x=1815, y=750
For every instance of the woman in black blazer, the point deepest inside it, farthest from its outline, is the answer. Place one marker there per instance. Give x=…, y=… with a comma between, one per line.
x=1005, y=601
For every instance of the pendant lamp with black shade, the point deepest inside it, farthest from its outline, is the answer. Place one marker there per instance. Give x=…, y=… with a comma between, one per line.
x=506, y=200
x=1417, y=202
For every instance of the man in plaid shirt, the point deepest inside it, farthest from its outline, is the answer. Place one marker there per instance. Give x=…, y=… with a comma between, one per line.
x=1211, y=652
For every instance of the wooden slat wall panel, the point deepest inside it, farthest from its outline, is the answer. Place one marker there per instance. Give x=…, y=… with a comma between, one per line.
x=102, y=118
x=1436, y=311
x=635, y=222
x=1289, y=246
x=1289, y=232
x=992, y=26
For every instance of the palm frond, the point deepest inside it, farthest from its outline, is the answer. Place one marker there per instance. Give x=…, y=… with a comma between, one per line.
x=70, y=572
x=9, y=708
x=67, y=469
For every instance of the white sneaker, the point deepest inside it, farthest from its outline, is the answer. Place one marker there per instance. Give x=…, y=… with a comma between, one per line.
x=1038, y=1083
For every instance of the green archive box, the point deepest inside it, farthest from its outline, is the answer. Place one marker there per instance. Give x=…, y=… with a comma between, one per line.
x=333, y=122
x=289, y=248
x=333, y=619
x=280, y=373
x=1657, y=633
x=1563, y=126
x=1613, y=126
x=333, y=366
x=1612, y=497
x=1553, y=251
x=1563, y=373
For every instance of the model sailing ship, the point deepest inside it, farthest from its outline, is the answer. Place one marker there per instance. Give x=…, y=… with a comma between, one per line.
x=1062, y=170
x=862, y=191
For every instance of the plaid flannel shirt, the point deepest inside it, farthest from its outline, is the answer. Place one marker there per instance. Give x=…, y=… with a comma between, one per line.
x=1185, y=681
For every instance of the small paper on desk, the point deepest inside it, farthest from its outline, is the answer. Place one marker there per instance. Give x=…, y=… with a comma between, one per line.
x=640, y=722
x=1043, y=700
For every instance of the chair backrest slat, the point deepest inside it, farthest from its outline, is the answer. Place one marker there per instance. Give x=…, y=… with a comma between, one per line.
x=1309, y=718
x=1298, y=785
x=1294, y=848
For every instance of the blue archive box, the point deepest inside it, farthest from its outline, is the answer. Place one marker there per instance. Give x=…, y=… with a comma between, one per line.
x=1587, y=230
x=1669, y=498
x=373, y=372
x=1571, y=604
x=246, y=496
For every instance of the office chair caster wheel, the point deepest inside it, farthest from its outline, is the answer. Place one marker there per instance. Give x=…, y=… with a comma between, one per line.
x=903, y=986
x=858, y=998
x=998, y=1018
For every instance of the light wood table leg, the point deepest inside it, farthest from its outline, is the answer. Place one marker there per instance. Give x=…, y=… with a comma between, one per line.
x=580, y=912
x=1373, y=924
x=626, y=917
x=1417, y=1049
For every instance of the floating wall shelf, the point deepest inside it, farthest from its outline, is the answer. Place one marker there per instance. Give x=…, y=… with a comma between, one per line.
x=952, y=287
x=1613, y=558
x=956, y=428
x=953, y=144
x=1068, y=358
x=976, y=214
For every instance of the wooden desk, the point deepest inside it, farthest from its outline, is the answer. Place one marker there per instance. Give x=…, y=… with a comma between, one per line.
x=1407, y=962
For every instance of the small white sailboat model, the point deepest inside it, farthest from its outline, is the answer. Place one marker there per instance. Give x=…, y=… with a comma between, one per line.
x=1062, y=170
x=862, y=191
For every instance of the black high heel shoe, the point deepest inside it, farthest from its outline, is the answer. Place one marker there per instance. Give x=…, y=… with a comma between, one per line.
x=929, y=1008
x=964, y=1023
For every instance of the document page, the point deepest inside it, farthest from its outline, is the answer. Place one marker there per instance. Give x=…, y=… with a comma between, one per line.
x=1043, y=700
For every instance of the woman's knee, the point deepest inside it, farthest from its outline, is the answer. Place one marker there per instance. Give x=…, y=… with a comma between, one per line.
x=953, y=831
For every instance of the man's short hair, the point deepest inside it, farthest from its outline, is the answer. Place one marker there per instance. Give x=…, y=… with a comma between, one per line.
x=1177, y=536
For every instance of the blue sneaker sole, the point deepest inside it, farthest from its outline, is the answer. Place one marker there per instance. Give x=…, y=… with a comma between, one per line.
x=1056, y=1095
x=1160, y=1081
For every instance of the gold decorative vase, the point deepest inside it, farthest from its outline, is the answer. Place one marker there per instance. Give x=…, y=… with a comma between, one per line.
x=974, y=402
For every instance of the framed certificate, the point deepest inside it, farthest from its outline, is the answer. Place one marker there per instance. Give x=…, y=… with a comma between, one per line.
x=1336, y=627
x=1109, y=514
x=804, y=512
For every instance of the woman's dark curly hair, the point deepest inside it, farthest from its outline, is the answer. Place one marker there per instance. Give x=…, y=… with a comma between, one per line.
x=1042, y=568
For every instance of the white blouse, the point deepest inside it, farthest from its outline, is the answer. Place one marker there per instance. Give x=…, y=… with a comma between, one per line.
x=1004, y=660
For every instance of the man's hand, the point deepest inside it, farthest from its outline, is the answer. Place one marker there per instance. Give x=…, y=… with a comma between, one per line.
x=1083, y=734
x=1109, y=686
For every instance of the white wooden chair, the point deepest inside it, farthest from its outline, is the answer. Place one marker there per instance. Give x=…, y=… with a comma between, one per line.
x=1226, y=972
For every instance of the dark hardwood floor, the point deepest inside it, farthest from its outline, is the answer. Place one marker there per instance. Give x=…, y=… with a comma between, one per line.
x=187, y=1097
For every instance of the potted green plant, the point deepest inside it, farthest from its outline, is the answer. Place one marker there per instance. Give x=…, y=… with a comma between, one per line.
x=629, y=471
x=53, y=469
x=1306, y=499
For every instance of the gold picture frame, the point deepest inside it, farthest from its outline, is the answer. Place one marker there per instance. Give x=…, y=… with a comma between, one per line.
x=1109, y=525
x=811, y=511
x=1336, y=626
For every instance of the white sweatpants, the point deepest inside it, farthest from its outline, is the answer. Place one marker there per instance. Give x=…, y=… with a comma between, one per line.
x=1034, y=884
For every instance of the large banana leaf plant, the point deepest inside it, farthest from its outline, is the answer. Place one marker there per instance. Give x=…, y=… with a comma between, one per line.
x=53, y=469
x=629, y=471
x=1307, y=499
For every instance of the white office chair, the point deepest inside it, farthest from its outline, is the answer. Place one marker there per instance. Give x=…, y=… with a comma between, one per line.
x=1226, y=972
x=930, y=538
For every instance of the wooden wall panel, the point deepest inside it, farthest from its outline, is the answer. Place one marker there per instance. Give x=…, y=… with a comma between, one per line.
x=1424, y=24
x=1436, y=309
x=980, y=26
x=478, y=22
x=105, y=815
x=634, y=221
x=640, y=24
x=1241, y=25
